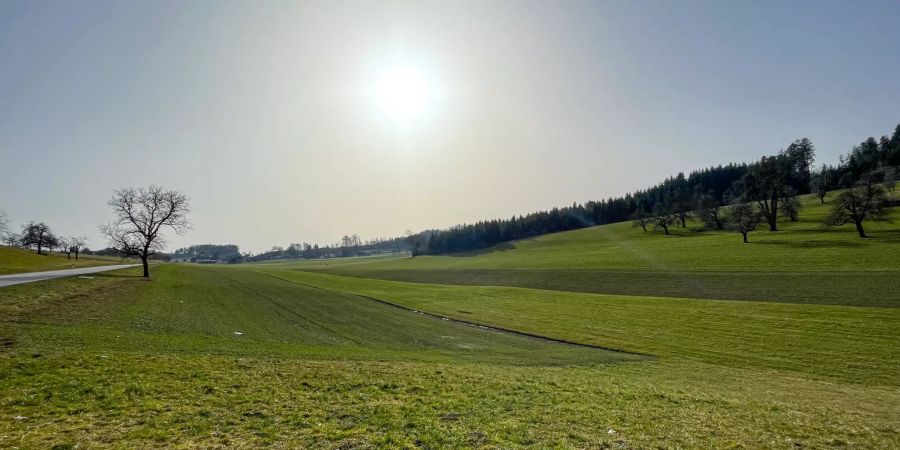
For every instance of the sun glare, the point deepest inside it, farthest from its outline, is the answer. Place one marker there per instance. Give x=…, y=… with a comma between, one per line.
x=402, y=93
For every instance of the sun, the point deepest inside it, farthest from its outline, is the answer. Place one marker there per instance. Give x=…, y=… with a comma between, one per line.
x=403, y=93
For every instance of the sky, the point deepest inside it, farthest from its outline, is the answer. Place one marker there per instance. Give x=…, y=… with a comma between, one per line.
x=275, y=120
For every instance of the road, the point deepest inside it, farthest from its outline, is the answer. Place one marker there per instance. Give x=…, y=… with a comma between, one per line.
x=19, y=278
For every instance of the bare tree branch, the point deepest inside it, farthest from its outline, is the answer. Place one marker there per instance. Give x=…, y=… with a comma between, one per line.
x=141, y=215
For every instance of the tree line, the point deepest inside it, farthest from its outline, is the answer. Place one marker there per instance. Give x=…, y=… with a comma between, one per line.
x=39, y=236
x=349, y=245
x=737, y=196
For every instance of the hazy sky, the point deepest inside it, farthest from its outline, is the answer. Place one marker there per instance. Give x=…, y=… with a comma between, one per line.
x=263, y=113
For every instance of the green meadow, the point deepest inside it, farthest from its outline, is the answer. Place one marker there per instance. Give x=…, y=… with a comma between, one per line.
x=693, y=340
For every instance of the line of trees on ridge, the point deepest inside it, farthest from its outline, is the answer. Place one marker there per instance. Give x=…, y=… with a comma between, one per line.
x=767, y=190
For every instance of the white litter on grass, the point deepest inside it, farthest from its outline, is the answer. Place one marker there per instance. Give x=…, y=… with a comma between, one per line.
x=20, y=417
x=611, y=432
x=86, y=278
x=238, y=333
x=104, y=356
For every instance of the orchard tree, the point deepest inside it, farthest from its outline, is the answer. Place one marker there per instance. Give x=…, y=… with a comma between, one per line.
x=709, y=210
x=775, y=179
x=790, y=205
x=12, y=239
x=141, y=215
x=77, y=244
x=663, y=218
x=641, y=219
x=818, y=183
x=743, y=218
x=765, y=183
x=682, y=205
x=38, y=235
x=864, y=201
x=65, y=246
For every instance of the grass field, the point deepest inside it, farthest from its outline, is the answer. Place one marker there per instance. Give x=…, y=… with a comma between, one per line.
x=802, y=263
x=17, y=260
x=809, y=358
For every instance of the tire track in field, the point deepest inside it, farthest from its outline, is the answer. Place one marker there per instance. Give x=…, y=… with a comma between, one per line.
x=493, y=328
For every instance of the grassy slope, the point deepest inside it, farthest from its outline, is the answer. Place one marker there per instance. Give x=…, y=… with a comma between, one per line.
x=804, y=246
x=121, y=358
x=17, y=260
x=117, y=361
x=803, y=263
x=852, y=344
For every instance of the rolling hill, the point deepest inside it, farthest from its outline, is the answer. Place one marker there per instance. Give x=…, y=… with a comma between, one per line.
x=790, y=341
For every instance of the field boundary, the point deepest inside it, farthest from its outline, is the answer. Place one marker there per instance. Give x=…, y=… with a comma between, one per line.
x=494, y=328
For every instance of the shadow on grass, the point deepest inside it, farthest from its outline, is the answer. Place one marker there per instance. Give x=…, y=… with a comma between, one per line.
x=812, y=244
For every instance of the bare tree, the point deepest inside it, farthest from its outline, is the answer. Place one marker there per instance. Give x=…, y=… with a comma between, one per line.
x=819, y=183
x=141, y=214
x=790, y=205
x=38, y=235
x=663, y=218
x=77, y=244
x=66, y=246
x=709, y=210
x=11, y=239
x=866, y=200
x=743, y=218
x=641, y=219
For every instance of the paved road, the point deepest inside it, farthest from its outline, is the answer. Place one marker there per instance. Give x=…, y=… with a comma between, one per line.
x=19, y=278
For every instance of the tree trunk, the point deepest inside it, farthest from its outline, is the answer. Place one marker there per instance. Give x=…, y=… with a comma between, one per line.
x=745, y=236
x=666, y=229
x=859, y=229
x=76, y=255
x=146, y=267
x=683, y=224
x=39, y=248
x=773, y=216
x=644, y=226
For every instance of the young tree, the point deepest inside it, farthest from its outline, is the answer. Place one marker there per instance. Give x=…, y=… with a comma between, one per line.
x=743, y=218
x=38, y=235
x=663, y=218
x=709, y=210
x=866, y=200
x=141, y=214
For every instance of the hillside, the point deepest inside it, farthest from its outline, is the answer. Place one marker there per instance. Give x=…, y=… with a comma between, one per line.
x=318, y=354
x=805, y=262
x=17, y=260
